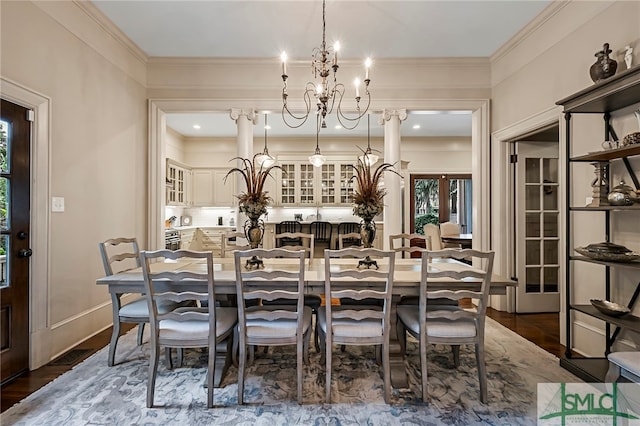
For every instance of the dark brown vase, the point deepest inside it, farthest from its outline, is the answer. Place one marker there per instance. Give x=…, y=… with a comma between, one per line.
x=604, y=67
x=254, y=230
x=367, y=232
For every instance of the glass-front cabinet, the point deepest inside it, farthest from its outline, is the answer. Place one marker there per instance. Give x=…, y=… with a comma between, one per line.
x=176, y=184
x=302, y=184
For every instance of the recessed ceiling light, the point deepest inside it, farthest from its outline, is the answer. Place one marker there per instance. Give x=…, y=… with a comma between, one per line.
x=338, y=127
x=267, y=127
x=416, y=126
x=196, y=126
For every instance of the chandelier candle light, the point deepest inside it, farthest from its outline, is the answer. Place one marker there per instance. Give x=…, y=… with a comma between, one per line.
x=326, y=91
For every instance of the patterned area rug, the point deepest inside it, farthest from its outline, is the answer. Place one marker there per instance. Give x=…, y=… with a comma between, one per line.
x=95, y=394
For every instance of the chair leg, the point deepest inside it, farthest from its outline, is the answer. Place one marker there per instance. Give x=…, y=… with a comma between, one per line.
x=386, y=371
x=180, y=353
x=115, y=335
x=328, y=371
x=168, y=359
x=252, y=351
x=323, y=355
x=301, y=350
x=153, y=370
x=241, y=371
x=140, y=333
x=305, y=347
x=482, y=372
x=613, y=373
x=456, y=355
x=316, y=335
x=234, y=352
x=211, y=368
x=423, y=366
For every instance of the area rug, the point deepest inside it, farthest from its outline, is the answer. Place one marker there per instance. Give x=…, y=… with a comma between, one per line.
x=94, y=394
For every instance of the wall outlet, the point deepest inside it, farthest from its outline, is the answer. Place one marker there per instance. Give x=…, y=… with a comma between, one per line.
x=57, y=204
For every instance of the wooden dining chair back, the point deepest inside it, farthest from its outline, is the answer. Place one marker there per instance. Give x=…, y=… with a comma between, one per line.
x=288, y=226
x=233, y=240
x=348, y=228
x=449, y=229
x=282, y=278
x=349, y=240
x=322, y=232
x=450, y=325
x=410, y=244
x=189, y=326
x=119, y=255
x=305, y=243
x=433, y=232
x=357, y=324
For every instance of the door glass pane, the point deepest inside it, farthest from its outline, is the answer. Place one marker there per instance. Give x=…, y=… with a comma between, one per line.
x=550, y=170
x=532, y=202
x=453, y=200
x=5, y=147
x=533, y=225
x=551, y=252
x=550, y=224
x=550, y=197
x=551, y=279
x=532, y=170
x=4, y=269
x=533, y=252
x=427, y=200
x=533, y=280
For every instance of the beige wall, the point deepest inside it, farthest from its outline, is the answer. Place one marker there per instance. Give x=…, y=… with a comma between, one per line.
x=98, y=154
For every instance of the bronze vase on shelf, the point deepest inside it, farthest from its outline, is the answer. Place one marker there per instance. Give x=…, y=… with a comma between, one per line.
x=604, y=67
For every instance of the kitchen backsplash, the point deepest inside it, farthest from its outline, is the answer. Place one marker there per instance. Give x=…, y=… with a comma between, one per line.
x=209, y=216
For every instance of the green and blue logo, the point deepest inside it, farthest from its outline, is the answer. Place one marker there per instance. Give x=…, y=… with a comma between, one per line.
x=614, y=404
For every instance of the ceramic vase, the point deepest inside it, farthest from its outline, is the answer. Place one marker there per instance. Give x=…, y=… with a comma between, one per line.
x=604, y=67
x=254, y=231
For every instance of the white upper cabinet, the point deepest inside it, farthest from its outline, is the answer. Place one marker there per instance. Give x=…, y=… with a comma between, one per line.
x=177, y=184
x=210, y=189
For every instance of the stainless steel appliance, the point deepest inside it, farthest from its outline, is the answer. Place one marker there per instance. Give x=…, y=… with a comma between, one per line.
x=171, y=239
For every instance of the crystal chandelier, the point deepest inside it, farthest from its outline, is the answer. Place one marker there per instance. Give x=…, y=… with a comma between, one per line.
x=369, y=158
x=327, y=92
x=317, y=159
x=264, y=159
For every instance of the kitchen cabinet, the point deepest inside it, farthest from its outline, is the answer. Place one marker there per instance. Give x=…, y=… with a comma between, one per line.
x=615, y=93
x=186, y=237
x=301, y=184
x=210, y=189
x=177, y=184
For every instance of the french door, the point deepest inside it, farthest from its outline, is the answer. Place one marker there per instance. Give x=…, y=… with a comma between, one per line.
x=441, y=198
x=537, y=227
x=15, y=135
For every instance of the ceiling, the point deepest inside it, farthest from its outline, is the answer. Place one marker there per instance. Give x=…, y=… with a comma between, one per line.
x=375, y=28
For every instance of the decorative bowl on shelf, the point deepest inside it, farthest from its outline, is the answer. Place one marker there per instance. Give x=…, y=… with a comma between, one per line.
x=609, y=256
x=610, y=308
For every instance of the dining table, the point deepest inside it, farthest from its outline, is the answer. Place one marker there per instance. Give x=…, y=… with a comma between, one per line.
x=406, y=282
x=464, y=240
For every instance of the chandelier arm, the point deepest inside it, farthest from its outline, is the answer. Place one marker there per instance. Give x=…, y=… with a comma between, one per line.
x=356, y=119
x=304, y=117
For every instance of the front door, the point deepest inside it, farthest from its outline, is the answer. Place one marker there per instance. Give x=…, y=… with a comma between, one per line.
x=15, y=135
x=537, y=227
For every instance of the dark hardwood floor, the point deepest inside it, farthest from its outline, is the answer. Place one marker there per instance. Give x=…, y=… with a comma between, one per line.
x=541, y=329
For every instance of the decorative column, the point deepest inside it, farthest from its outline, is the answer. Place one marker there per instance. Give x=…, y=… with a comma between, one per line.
x=392, y=222
x=245, y=120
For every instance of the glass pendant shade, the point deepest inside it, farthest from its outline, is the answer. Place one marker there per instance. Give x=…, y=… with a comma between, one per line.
x=317, y=159
x=264, y=159
x=369, y=158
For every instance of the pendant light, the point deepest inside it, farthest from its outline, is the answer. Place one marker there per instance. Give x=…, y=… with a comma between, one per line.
x=369, y=158
x=264, y=159
x=317, y=159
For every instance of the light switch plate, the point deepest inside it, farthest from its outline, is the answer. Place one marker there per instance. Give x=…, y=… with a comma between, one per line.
x=57, y=204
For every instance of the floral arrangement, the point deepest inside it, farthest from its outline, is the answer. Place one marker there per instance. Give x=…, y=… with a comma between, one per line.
x=254, y=201
x=367, y=197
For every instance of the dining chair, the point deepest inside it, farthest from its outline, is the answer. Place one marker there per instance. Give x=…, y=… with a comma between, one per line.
x=184, y=327
x=274, y=325
x=119, y=255
x=349, y=240
x=230, y=242
x=409, y=243
x=348, y=228
x=322, y=232
x=624, y=364
x=449, y=325
x=357, y=324
x=450, y=229
x=288, y=226
x=433, y=232
x=307, y=244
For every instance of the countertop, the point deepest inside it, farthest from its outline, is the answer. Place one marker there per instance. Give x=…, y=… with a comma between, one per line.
x=190, y=227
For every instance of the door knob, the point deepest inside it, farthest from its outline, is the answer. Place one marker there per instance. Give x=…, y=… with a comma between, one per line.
x=25, y=253
x=22, y=235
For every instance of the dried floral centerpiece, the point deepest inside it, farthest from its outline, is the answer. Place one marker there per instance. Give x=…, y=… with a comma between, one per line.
x=368, y=200
x=254, y=201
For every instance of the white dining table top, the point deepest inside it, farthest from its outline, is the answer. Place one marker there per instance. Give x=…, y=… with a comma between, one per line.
x=407, y=271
